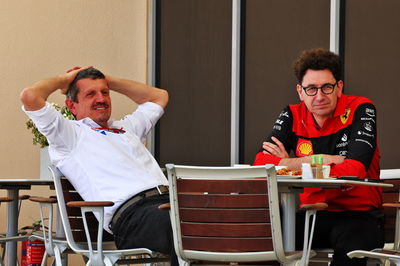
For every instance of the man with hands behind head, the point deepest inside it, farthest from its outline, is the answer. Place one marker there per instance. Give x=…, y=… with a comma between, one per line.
x=106, y=160
x=343, y=129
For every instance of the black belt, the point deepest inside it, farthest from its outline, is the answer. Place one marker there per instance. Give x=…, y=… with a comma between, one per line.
x=159, y=190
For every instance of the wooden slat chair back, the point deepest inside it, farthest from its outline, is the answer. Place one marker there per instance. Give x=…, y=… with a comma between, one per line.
x=391, y=195
x=226, y=214
x=75, y=215
x=229, y=215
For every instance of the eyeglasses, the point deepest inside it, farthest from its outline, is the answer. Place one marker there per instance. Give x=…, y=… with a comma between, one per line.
x=326, y=89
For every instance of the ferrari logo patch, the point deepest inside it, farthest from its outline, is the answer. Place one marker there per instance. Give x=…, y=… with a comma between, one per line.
x=344, y=117
x=304, y=148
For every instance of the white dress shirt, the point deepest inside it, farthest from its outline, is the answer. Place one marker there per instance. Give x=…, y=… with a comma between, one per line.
x=103, y=165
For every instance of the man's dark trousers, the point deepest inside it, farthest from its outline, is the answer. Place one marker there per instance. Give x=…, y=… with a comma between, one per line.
x=144, y=225
x=343, y=232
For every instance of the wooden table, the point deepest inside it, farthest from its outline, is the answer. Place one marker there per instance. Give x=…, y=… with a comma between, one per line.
x=13, y=186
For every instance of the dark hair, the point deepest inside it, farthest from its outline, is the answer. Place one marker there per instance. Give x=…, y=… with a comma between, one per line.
x=317, y=59
x=91, y=73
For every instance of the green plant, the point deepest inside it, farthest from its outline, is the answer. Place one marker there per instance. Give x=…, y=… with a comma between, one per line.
x=36, y=226
x=38, y=137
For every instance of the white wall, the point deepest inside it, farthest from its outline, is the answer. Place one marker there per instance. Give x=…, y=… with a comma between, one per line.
x=43, y=38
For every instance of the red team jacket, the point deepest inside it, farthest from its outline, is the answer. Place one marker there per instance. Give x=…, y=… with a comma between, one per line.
x=351, y=132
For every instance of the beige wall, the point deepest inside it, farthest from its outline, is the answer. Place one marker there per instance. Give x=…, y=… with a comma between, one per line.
x=43, y=38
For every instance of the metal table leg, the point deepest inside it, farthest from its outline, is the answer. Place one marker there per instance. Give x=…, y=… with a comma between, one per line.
x=288, y=201
x=12, y=227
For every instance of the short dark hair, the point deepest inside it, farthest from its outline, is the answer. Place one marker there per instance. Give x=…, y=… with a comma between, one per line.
x=91, y=73
x=317, y=59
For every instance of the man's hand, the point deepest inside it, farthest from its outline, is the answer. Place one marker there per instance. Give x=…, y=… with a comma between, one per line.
x=34, y=97
x=71, y=69
x=277, y=148
x=69, y=76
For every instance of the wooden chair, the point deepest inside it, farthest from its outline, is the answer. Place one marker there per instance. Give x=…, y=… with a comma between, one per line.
x=54, y=244
x=311, y=212
x=227, y=214
x=392, y=215
x=84, y=235
x=391, y=251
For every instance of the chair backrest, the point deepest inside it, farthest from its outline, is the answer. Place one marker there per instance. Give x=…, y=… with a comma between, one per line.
x=72, y=217
x=225, y=213
x=390, y=194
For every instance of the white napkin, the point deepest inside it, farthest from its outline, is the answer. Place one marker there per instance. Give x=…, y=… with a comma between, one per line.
x=306, y=171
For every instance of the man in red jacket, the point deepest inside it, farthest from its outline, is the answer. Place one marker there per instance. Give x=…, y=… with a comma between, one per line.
x=343, y=129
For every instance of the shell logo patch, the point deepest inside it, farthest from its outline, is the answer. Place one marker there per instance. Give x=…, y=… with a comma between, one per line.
x=304, y=148
x=344, y=117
